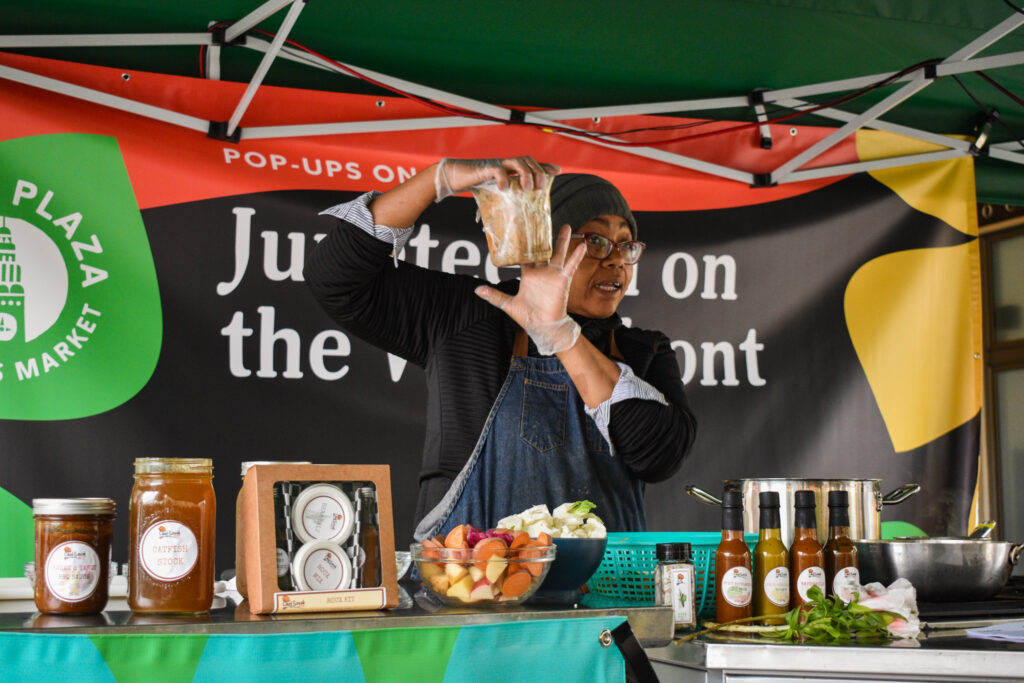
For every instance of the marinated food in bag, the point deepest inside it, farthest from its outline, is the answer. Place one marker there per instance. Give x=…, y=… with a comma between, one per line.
x=517, y=222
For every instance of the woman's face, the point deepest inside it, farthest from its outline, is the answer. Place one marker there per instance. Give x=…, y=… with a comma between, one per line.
x=599, y=285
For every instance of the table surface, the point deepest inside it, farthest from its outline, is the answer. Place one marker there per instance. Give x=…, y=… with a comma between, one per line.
x=943, y=651
x=651, y=625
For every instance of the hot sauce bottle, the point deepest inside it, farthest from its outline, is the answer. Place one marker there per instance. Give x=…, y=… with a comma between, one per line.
x=806, y=557
x=733, y=589
x=841, y=573
x=771, y=562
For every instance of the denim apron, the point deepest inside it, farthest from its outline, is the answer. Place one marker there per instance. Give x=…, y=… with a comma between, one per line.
x=538, y=446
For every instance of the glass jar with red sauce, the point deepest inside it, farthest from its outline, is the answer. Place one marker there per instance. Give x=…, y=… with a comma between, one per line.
x=72, y=556
x=172, y=517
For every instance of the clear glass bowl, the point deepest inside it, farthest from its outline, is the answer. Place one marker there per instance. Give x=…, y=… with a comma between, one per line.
x=483, y=576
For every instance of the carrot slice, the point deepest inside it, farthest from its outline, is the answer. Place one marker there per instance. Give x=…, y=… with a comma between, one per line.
x=487, y=548
x=520, y=539
x=456, y=538
x=516, y=583
x=431, y=549
x=531, y=551
x=543, y=539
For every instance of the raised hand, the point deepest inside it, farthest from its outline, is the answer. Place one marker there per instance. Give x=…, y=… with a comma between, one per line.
x=457, y=175
x=540, y=305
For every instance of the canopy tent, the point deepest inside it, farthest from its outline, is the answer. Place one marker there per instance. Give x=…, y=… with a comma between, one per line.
x=950, y=74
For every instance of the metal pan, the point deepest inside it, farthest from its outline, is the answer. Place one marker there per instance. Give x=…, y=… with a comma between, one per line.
x=941, y=569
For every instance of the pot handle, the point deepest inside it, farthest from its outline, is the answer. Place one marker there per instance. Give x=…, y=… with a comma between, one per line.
x=900, y=494
x=703, y=496
x=1015, y=552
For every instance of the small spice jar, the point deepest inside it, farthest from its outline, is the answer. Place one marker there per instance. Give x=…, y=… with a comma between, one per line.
x=72, y=558
x=172, y=524
x=675, y=582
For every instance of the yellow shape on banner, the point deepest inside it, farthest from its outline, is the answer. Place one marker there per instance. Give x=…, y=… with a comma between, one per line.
x=914, y=328
x=944, y=189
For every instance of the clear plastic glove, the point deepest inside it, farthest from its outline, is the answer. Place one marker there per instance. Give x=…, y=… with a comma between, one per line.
x=539, y=306
x=458, y=175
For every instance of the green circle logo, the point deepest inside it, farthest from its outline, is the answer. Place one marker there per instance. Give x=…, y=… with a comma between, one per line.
x=80, y=319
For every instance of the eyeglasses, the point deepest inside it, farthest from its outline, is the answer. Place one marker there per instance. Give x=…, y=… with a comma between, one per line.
x=600, y=247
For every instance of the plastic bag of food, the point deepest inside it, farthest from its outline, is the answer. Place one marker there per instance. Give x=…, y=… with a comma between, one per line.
x=517, y=222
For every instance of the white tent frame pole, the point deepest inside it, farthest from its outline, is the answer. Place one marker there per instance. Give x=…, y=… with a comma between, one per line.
x=873, y=165
x=252, y=19
x=919, y=83
x=417, y=89
x=770, y=96
x=105, y=99
x=264, y=66
x=878, y=124
x=373, y=126
x=104, y=40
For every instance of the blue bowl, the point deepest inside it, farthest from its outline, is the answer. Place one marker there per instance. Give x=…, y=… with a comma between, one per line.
x=576, y=560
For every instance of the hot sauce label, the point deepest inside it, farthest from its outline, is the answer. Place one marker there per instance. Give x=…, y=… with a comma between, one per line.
x=812, y=576
x=72, y=571
x=846, y=583
x=737, y=586
x=776, y=586
x=168, y=550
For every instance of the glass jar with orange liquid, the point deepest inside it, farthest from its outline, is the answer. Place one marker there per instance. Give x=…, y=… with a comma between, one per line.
x=172, y=516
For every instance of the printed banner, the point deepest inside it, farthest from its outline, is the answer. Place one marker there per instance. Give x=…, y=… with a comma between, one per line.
x=152, y=302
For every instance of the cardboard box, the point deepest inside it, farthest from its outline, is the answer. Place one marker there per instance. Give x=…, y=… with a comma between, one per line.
x=260, y=541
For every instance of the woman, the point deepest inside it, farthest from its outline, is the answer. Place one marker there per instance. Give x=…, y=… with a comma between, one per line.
x=576, y=407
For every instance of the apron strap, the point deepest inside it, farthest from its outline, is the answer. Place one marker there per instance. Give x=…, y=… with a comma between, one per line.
x=521, y=345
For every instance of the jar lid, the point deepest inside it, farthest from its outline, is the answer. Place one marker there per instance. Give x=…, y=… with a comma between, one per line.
x=322, y=512
x=182, y=465
x=321, y=566
x=73, y=506
x=672, y=551
x=253, y=463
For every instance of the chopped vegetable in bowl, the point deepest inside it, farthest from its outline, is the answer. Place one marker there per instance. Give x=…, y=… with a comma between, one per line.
x=569, y=520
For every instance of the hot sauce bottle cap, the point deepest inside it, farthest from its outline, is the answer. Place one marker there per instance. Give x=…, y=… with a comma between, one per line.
x=768, y=499
x=732, y=499
x=804, y=499
x=838, y=499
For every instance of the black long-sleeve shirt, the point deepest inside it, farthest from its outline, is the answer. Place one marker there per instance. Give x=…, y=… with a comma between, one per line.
x=464, y=344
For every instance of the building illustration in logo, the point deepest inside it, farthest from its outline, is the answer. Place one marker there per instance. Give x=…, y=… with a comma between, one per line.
x=12, y=294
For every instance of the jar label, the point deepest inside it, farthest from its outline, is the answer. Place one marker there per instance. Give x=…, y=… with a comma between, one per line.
x=776, y=586
x=846, y=583
x=168, y=550
x=324, y=518
x=323, y=570
x=737, y=586
x=812, y=576
x=677, y=589
x=72, y=571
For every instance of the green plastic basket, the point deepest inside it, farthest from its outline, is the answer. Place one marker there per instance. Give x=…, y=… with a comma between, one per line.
x=626, y=574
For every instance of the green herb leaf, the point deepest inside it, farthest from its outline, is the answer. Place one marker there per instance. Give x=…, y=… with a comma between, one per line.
x=582, y=507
